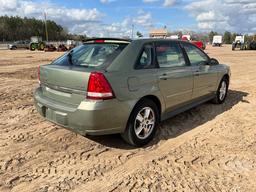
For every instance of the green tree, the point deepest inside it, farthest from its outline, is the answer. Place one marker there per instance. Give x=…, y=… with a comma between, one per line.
x=233, y=36
x=17, y=28
x=211, y=34
x=227, y=37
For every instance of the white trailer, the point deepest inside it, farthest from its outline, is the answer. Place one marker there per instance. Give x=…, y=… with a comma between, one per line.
x=217, y=40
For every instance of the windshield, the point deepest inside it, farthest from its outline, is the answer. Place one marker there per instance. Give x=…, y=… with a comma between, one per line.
x=91, y=55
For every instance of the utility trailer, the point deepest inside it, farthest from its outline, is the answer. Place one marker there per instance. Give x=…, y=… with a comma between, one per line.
x=217, y=40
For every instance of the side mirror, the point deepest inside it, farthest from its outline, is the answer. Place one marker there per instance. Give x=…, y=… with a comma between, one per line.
x=214, y=61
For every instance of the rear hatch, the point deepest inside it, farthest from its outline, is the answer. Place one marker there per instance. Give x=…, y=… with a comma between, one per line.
x=66, y=79
x=64, y=84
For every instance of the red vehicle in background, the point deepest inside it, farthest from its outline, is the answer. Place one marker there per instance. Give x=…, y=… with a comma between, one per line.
x=199, y=44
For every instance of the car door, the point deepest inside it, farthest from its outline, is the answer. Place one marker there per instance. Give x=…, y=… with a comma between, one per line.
x=144, y=77
x=23, y=45
x=18, y=44
x=175, y=75
x=205, y=76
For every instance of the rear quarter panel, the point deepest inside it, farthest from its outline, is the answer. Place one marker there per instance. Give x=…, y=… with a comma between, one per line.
x=129, y=83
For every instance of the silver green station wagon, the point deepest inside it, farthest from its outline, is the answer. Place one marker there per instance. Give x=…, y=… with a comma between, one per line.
x=109, y=85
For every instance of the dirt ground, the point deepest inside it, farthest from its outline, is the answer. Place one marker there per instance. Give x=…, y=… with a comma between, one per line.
x=209, y=148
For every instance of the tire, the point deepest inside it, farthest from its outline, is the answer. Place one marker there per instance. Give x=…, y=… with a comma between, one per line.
x=14, y=48
x=222, y=91
x=32, y=46
x=233, y=47
x=253, y=45
x=41, y=46
x=247, y=47
x=145, y=119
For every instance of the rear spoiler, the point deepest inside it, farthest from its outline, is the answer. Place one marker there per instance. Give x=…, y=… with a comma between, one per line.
x=107, y=40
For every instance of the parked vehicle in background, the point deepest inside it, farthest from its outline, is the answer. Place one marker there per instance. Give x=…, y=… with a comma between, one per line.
x=186, y=37
x=199, y=44
x=217, y=40
x=250, y=45
x=36, y=43
x=62, y=48
x=109, y=86
x=50, y=48
x=242, y=45
x=239, y=43
x=173, y=37
x=19, y=45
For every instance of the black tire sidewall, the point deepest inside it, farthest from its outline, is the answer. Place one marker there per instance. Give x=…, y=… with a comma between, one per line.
x=130, y=127
x=218, y=92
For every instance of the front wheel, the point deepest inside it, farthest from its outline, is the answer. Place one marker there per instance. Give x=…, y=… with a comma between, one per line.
x=222, y=91
x=142, y=123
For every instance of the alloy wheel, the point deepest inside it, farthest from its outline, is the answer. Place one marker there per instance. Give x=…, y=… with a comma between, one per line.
x=223, y=90
x=144, y=122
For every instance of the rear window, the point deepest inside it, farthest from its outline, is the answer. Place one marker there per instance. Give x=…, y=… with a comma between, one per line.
x=91, y=54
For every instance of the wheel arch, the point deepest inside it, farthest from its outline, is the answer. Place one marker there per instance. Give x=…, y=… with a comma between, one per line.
x=226, y=76
x=153, y=98
x=126, y=134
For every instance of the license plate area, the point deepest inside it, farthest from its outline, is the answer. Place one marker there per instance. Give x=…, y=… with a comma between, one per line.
x=56, y=116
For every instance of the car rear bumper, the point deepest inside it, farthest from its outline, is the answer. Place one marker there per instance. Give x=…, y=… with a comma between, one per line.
x=89, y=117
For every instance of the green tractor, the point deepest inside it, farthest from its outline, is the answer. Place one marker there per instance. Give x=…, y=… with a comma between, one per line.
x=36, y=44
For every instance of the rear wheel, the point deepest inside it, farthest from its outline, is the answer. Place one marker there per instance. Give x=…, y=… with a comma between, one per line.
x=14, y=48
x=222, y=91
x=41, y=46
x=142, y=123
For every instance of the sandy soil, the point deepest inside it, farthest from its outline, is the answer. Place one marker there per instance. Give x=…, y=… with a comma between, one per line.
x=209, y=148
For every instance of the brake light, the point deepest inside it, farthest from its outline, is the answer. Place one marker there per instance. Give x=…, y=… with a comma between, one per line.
x=99, y=41
x=98, y=87
x=38, y=74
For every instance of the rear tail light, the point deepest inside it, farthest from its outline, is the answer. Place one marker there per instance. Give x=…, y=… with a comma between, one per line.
x=98, y=87
x=38, y=74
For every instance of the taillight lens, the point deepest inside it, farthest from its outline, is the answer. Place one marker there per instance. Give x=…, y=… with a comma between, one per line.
x=99, y=41
x=38, y=74
x=98, y=87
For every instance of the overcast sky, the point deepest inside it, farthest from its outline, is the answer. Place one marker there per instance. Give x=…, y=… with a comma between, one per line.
x=116, y=17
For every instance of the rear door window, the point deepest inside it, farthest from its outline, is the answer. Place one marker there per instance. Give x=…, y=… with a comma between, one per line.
x=169, y=54
x=91, y=54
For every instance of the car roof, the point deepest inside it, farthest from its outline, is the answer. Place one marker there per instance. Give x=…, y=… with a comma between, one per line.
x=108, y=39
x=132, y=40
x=157, y=40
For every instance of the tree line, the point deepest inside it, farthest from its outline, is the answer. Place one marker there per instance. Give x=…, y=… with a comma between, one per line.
x=13, y=28
x=17, y=28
